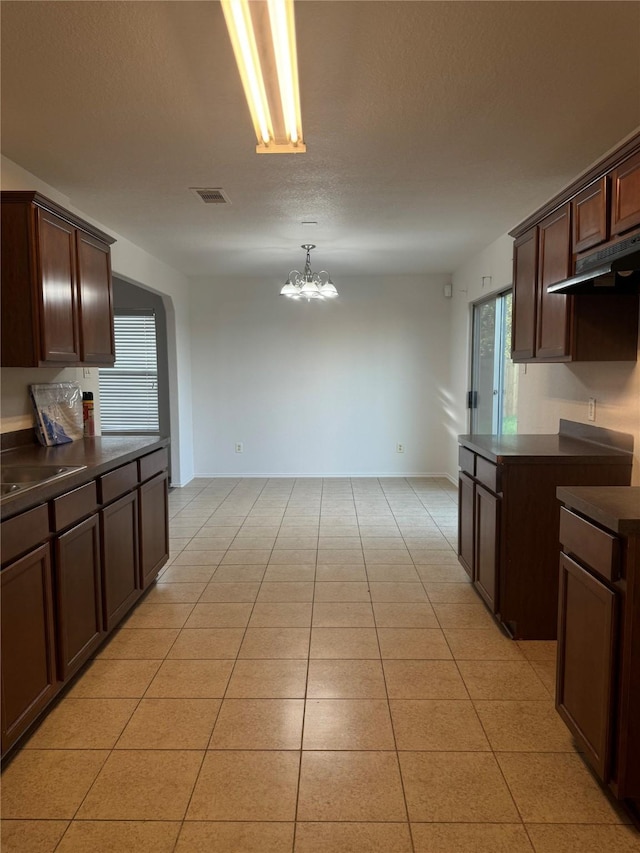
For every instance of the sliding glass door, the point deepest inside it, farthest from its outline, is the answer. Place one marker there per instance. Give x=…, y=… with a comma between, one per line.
x=494, y=377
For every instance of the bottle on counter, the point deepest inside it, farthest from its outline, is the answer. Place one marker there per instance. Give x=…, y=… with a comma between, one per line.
x=87, y=414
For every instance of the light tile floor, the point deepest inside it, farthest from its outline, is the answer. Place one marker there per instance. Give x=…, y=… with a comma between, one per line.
x=312, y=672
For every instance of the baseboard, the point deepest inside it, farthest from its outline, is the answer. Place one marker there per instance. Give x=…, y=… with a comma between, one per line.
x=315, y=476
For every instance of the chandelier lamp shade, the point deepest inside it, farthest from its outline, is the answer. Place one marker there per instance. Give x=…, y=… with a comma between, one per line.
x=263, y=37
x=308, y=284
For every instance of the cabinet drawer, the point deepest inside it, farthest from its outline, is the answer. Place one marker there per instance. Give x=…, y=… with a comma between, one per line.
x=466, y=460
x=487, y=474
x=153, y=464
x=591, y=545
x=118, y=482
x=74, y=506
x=24, y=532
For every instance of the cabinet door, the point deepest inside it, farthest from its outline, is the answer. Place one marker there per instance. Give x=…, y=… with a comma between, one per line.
x=625, y=196
x=466, y=522
x=523, y=339
x=28, y=642
x=154, y=527
x=119, y=546
x=96, y=301
x=79, y=598
x=554, y=264
x=586, y=637
x=590, y=216
x=59, y=339
x=487, y=533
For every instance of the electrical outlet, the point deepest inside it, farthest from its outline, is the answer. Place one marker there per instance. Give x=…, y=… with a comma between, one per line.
x=86, y=371
x=592, y=409
x=399, y=448
x=239, y=447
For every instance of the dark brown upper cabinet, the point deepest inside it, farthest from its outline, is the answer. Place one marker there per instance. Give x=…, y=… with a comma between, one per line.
x=57, y=305
x=625, y=196
x=602, y=205
x=554, y=264
x=525, y=265
x=590, y=215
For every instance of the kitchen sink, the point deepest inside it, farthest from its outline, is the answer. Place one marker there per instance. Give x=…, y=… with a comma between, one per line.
x=17, y=478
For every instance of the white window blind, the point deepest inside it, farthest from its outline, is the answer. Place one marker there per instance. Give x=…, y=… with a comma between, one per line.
x=129, y=389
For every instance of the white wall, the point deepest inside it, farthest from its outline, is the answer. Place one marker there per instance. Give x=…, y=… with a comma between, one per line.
x=132, y=264
x=546, y=392
x=320, y=389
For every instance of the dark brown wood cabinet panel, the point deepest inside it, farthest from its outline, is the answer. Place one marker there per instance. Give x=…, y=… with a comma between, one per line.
x=29, y=678
x=590, y=216
x=154, y=527
x=525, y=263
x=625, y=195
x=23, y=532
x=529, y=545
x=119, y=553
x=554, y=264
x=95, y=301
x=488, y=474
x=117, y=482
x=591, y=545
x=467, y=461
x=59, y=335
x=605, y=328
x=78, y=595
x=74, y=506
x=153, y=464
x=466, y=523
x=20, y=314
x=628, y=757
x=487, y=546
x=586, y=645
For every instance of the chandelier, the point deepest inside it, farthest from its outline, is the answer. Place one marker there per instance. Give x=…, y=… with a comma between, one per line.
x=309, y=285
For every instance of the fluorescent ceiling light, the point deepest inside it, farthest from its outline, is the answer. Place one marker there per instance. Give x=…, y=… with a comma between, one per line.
x=263, y=37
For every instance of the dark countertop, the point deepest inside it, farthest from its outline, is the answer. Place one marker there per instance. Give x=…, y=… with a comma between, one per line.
x=537, y=448
x=615, y=507
x=97, y=454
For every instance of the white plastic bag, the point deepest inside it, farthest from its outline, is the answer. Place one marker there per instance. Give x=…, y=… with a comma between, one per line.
x=58, y=411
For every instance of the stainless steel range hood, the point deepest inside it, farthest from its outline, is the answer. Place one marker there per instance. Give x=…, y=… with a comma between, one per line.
x=613, y=269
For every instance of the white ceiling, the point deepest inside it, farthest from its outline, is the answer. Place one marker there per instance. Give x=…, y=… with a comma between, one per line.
x=431, y=127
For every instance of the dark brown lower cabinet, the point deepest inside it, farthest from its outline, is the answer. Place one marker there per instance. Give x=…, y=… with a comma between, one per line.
x=587, y=628
x=598, y=673
x=78, y=594
x=509, y=515
x=29, y=679
x=487, y=545
x=466, y=523
x=120, y=565
x=154, y=527
x=72, y=568
x=478, y=537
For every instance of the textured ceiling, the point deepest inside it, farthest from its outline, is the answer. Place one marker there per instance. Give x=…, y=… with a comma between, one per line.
x=431, y=127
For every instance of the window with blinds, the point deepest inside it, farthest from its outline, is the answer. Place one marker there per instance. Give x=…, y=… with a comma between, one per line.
x=129, y=389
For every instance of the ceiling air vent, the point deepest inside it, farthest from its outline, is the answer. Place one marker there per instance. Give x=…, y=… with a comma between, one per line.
x=211, y=195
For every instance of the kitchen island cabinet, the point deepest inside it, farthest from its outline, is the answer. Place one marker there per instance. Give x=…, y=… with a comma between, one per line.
x=71, y=558
x=598, y=670
x=508, y=516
